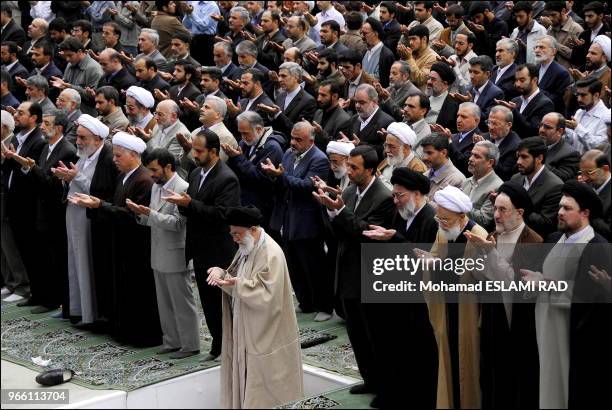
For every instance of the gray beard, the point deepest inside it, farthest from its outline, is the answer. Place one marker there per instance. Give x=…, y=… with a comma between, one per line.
x=407, y=211
x=249, y=244
x=397, y=159
x=84, y=153
x=451, y=234
x=339, y=174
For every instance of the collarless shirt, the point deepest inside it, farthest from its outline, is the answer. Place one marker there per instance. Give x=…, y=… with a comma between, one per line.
x=128, y=174
x=527, y=100
x=527, y=184
x=501, y=71
x=290, y=96
x=364, y=123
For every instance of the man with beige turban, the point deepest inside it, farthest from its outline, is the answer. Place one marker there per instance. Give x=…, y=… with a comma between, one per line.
x=455, y=324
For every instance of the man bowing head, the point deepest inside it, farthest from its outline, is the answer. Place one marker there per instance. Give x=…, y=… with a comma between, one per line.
x=261, y=346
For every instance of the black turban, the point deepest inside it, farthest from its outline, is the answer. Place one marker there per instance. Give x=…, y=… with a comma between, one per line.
x=586, y=197
x=246, y=216
x=518, y=196
x=445, y=72
x=411, y=180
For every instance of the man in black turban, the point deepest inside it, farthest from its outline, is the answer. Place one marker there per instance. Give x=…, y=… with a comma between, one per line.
x=258, y=316
x=443, y=108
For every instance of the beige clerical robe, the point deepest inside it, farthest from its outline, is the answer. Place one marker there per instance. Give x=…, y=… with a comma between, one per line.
x=469, y=335
x=261, y=362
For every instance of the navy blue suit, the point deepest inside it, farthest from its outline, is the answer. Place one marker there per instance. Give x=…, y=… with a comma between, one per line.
x=460, y=152
x=506, y=81
x=553, y=84
x=490, y=93
x=257, y=188
x=299, y=215
x=506, y=166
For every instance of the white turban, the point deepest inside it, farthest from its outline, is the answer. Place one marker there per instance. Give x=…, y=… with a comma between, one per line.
x=453, y=199
x=144, y=97
x=129, y=141
x=403, y=132
x=604, y=43
x=94, y=125
x=340, y=148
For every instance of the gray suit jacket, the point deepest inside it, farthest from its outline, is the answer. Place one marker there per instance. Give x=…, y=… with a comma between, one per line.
x=168, y=229
x=482, y=210
x=394, y=105
x=563, y=160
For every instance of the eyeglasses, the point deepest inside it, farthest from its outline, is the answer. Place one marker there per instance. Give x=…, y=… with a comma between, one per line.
x=588, y=172
x=494, y=123
x=398, y=195
x=442, y=221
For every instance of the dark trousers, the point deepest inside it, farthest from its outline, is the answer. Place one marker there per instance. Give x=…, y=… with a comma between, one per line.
x=49, y=279
x=312, y=282
x=202, y=49
x=406, y=354
x=14, y=273
x=210, y=297
x=358, y=327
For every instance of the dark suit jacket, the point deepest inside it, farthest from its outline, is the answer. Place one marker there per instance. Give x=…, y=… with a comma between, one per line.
x=375, y=208
x=563, y=160
x=490, y=93
x=459, y=152
x=527, y=124
x=190, y=92
x=26, y=58
x=266, y=55
x=605, y=195
x=51, y=209
x=506, y=82
x=554, y=83
x=506, y=166
x=9, y=100
x=295, y=209
x=156, y=83
x=338, y=121
x=256, y=187
x=395, y=104
x=579, y=52
x=233, y=72
x=391, y=34
x=18, y=70
x=303, y=105
x=14, y=32
x=423, y=228
x=262, y=99
x=448, y=114
x=21, y=194
x=50, y=71
x=205, y=223
x=369, y=135
x=387, y=58
x=545, y=193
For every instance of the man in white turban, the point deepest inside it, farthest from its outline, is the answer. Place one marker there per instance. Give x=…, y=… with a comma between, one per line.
x=455, y=324
x=398, y=145
x=133, y=316
x=338, y=153
x=596, y=65
x=88, y=256
x=138, y=105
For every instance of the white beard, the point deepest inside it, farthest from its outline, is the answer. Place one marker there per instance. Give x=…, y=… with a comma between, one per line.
x=84, y=153
x=395, y=160
x=450, y=234
x=407, y=211
x=248, y=244
x=340, y=173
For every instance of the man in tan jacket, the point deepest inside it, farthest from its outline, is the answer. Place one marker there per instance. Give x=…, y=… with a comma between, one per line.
x=261, y=362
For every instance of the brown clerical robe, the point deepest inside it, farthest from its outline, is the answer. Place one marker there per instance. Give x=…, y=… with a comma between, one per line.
x=261, y=362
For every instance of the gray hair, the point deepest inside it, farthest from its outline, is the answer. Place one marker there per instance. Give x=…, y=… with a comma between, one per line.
x=294, y=69
x=370, y=91
x=244, y=13
x=227, y=47
x=554, y=44
x=152, y=34
x=474, y=108
x=247, y=47
x=304, y=125
x=8, y=121
x=39, y=82
x=404, y=66
x=505, y=110
x=510, y=45
x=492, y=150
x=74, y=96
x=217, y=104
x=252, y=118
x=44, y=24
x=59, y=117
x=172, y=105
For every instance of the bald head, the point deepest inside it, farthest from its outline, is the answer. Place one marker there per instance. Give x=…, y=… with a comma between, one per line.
x=110, y=61
x=167, y=113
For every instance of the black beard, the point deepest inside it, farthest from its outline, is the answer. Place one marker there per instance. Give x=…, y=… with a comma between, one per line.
x=326, y=73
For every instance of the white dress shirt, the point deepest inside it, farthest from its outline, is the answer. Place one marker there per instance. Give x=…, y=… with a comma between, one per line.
x=526, y=102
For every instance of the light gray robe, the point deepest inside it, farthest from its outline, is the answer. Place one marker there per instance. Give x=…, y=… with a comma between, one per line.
x=80, y=259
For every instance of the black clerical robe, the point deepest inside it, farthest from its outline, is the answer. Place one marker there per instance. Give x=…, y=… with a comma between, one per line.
x=134, y=315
